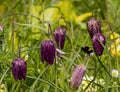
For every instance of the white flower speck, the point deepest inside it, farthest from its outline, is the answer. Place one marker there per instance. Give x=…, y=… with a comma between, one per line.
x=114, y=73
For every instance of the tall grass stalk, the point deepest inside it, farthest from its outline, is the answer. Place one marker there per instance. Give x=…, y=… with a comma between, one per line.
x=12, y=35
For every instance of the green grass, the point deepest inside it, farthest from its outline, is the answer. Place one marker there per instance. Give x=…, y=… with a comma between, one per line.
x=29, y=19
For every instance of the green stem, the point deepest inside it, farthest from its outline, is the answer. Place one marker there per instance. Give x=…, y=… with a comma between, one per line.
x=49, y=30
x=19, y=50
x=55, y=74
x=12, y=35
x=103, y=66
x=21, y=86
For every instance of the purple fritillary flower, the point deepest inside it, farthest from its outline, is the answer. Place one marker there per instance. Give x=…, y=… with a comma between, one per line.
x=77, y=76
x=48, y=51
x=59, y=36
x=98, y=42
x=19, y=69
x=93, y=26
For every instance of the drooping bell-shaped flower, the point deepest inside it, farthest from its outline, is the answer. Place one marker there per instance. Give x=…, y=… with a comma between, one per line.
x=77, y=76
x=48, y=51
x=93, y=26
x=19, y=69
x=98, y=42
x=59, y=36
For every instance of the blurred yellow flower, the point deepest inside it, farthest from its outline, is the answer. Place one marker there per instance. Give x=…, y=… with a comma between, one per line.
x=114, y=35
x=114, y=48
x=115, y=51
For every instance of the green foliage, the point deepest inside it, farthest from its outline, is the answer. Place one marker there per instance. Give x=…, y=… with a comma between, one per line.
x=29, y=20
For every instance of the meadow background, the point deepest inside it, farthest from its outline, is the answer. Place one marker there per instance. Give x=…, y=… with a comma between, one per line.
x=25, y=26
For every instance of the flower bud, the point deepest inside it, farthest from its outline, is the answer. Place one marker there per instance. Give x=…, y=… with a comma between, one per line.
x=19, y=69
x=98, y=42
x=77, y=76
x=48, y=51
x=93, y=26
x=59, y=36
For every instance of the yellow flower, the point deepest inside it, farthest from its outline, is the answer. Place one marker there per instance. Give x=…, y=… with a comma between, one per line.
x=114, y=35
x=114, y=48
x=115, y=51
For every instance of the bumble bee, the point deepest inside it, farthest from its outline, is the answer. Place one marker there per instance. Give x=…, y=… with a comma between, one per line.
x=87, y=49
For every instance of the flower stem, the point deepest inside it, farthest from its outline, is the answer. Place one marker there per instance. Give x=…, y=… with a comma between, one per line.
x=49, y=30
x=21, y=86
x=62, y=18
x=19, y=51
x=55, y=74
